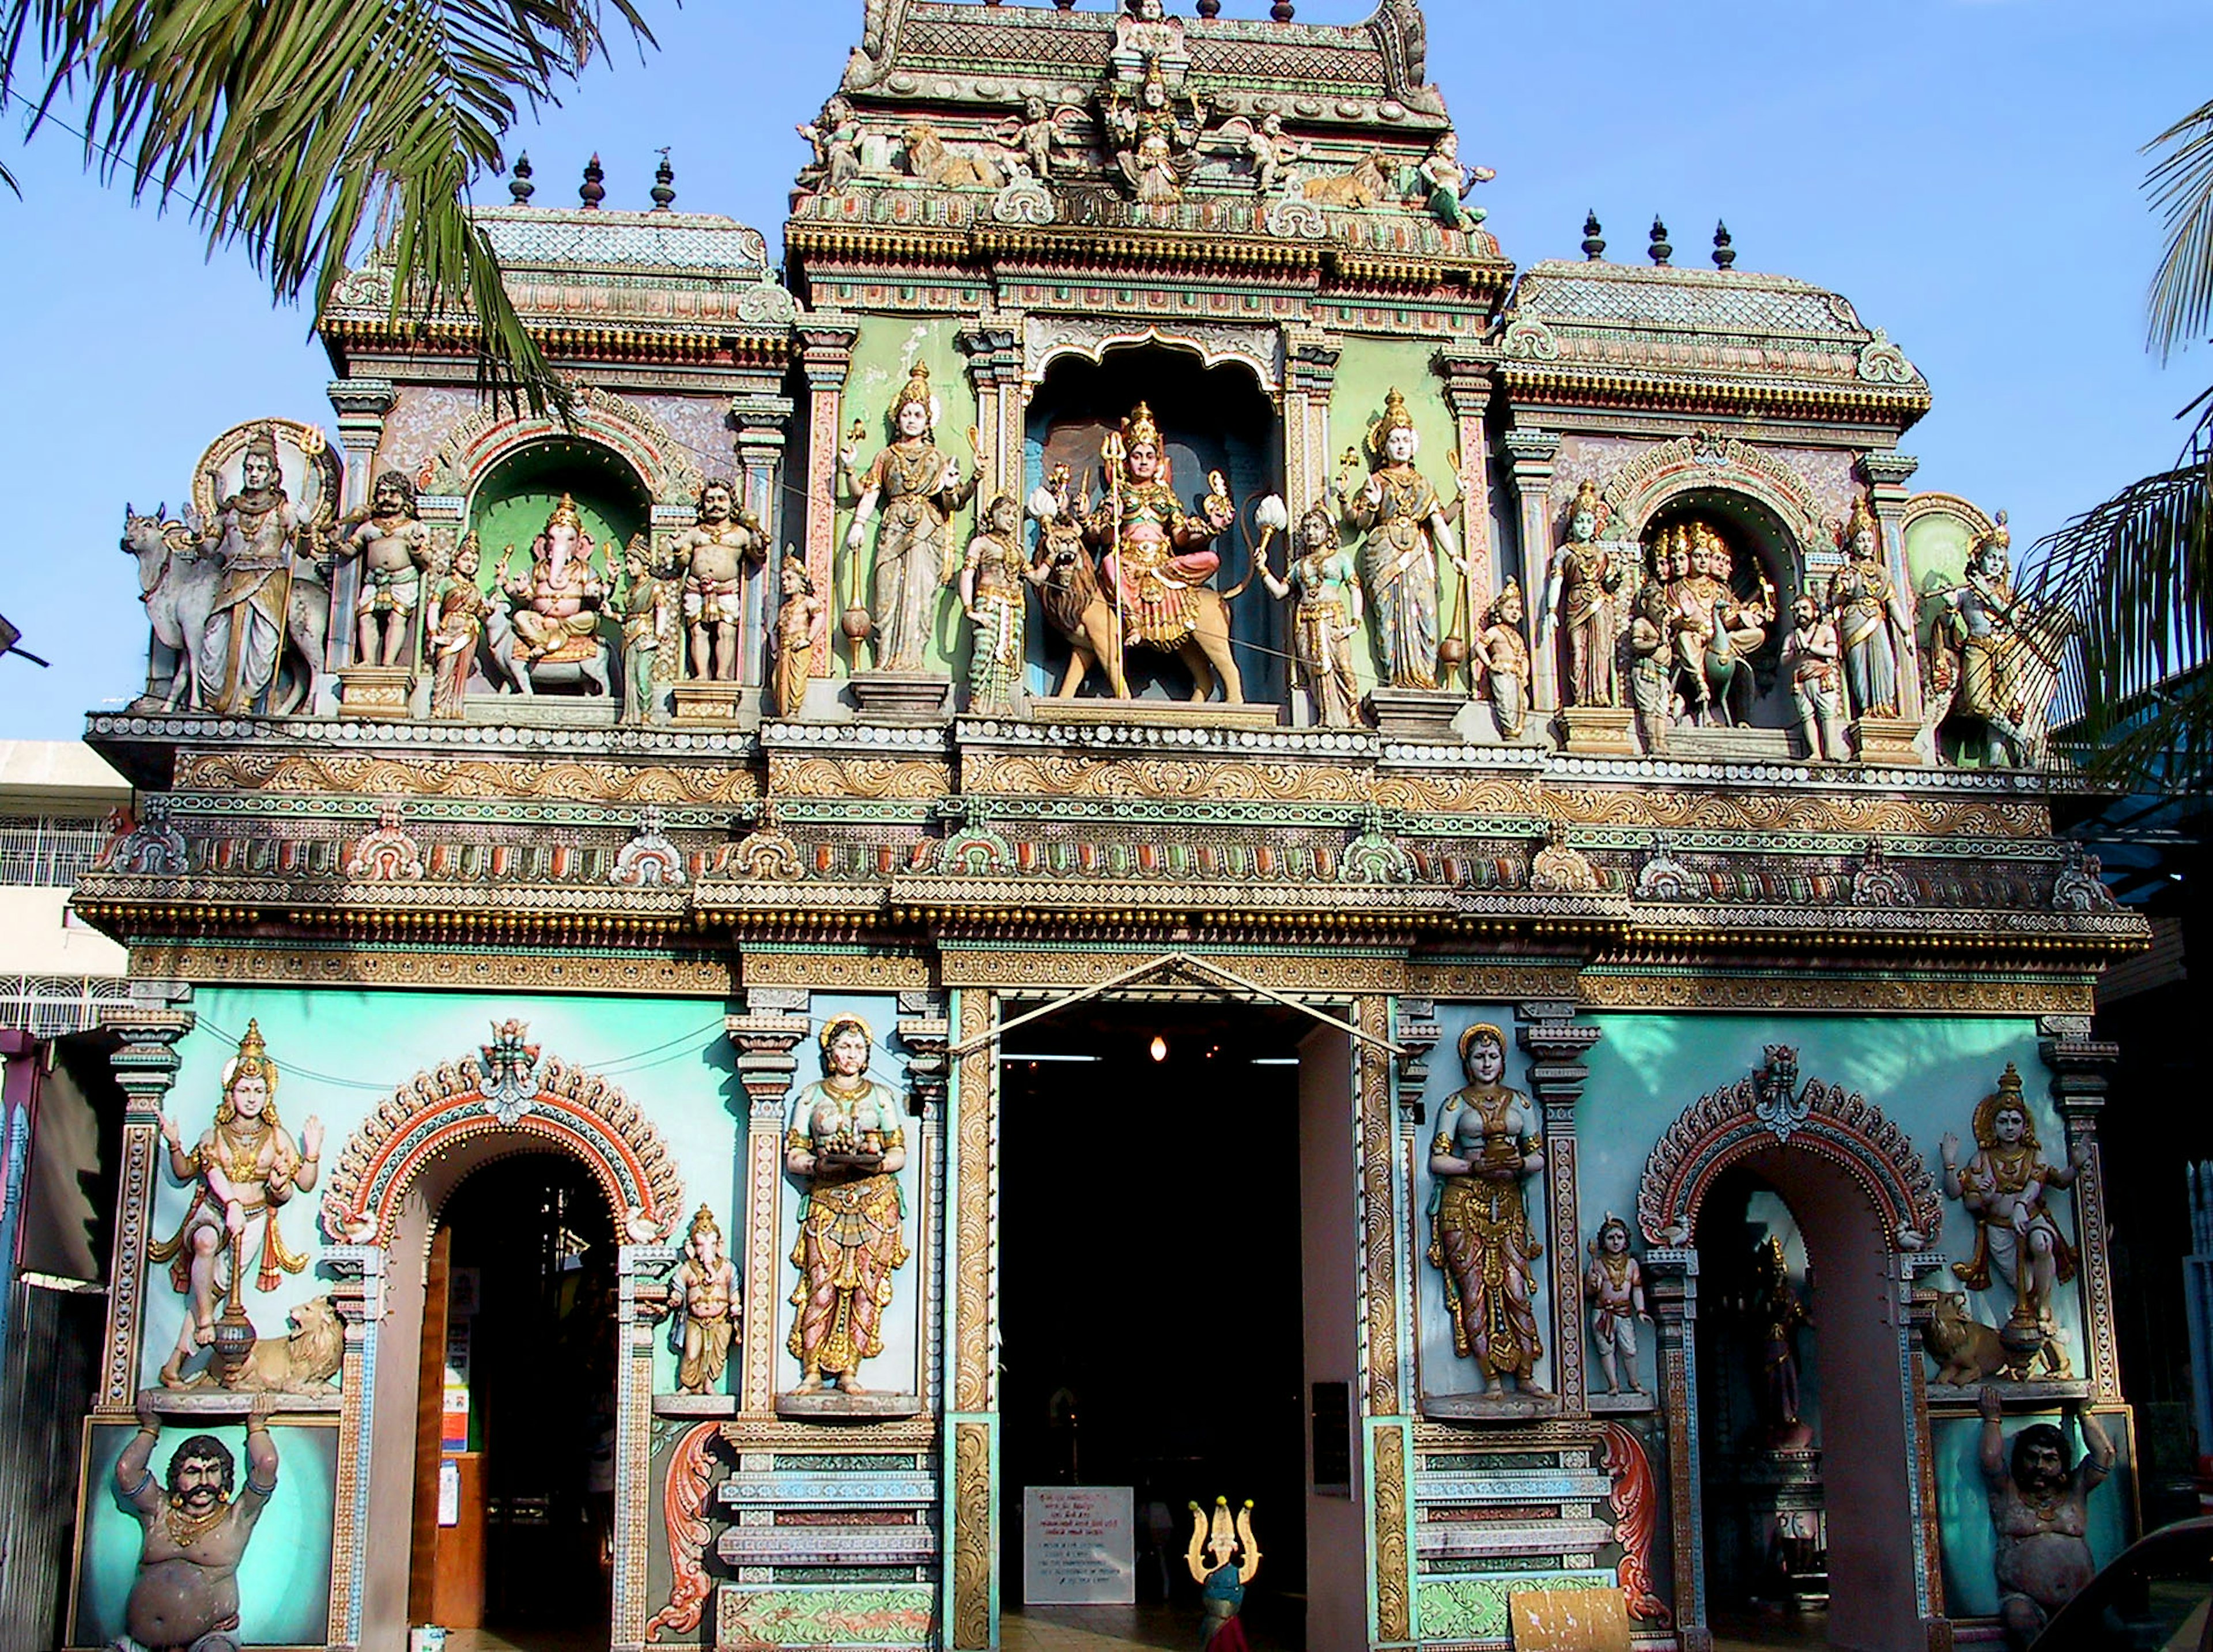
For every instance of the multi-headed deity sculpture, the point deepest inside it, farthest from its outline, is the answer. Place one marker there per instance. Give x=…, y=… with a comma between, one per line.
x=1328, y=614
x=1487, y=1145
x=800, y=618
x=259, y=537
x=2040, y=1514
x=992, y=589
x=242, y=1171
x=918, y=487
x=553, y=633
x=1407, y=527
x=715, y=550
x=2017, y=1241
x=706, y=1285
x=1580, y=607
x=1616, y=1283
x=846, y=1144
x=1711, y=625
x=196, y=1530
x=394, y=549
x=1875, y=621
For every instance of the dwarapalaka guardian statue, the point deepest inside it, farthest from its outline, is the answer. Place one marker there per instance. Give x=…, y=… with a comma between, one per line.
x=184, y=1598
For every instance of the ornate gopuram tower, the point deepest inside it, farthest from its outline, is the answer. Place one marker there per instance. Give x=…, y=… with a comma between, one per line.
x=1142, y=834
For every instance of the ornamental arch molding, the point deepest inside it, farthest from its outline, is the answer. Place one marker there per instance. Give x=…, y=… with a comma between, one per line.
x=503, y=1101
x=473, y=448
x=1260, y=351
x=1766, y=1110
x=1707, y=463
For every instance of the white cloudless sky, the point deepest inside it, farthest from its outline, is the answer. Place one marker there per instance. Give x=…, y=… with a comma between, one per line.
x=1966, y=171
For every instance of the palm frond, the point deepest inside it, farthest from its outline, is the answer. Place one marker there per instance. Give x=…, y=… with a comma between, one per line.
x=2181, y=187
x=2137, y=572
x=290, y=125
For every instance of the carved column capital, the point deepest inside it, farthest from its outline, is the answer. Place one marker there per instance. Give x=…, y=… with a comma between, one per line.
x=925, y=1027
x=1556, y=1044
x=1671, y=1287
x=1530, y=454
x=1887, y=471
x=1467, y=387
x=1416, y=1032
x=146, y=1065
x=994, y=350
x=826, y=350
x=2082, y=1069
x=1310, y=365
x=761, y=420
x=766, y=1036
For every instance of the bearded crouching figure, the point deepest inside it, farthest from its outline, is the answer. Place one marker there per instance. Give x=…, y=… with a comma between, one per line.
x=846, y=1144
x=185, y=1597
x=1487, y=1145
x=2040, y=1512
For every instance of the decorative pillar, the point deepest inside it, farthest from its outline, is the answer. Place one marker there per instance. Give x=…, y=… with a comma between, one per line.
x=825, y=354
x=1530, y=453
x=926, y=1031
x=357, y=1274
x=774, y=1025
x=1467, y=393
x=1556, y=1046
x=2081, y=1068
x=1671, y=1289
x=1384, y=1165
x=971, y=1447
x=1309, y=380
x=1416, y=1031
x=1916, y=1307
x=361, y=406
x=146, y=1068
x=995, y=371
x=762, y=420
x=638, y=1269
x=1892, y=739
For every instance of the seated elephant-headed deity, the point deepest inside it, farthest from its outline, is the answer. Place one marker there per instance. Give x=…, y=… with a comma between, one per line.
x=548, y=636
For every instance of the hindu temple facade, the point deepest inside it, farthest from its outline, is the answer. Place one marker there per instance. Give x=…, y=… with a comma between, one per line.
x=1148, y=564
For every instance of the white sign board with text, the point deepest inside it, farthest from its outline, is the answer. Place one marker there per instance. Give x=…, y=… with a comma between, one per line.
x=1079, y=1545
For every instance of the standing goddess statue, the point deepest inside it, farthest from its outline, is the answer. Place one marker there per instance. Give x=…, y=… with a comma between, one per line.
x=991, y=588
x=1324, y=620
x=918, y=487
x=1405, y=528
x=1487, y=1146
x=846, y=1143
x=1579, y=605
x=1874, y=621
x=798, y=619
x=243, y=1170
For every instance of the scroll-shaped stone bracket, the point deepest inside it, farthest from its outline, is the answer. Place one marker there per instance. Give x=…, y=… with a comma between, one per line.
x=925, y=1030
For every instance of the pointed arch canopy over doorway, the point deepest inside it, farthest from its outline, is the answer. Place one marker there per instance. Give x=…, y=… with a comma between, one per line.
x=506, y=1088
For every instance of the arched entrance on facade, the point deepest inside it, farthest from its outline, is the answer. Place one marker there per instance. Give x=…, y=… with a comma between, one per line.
x=1847, y=1199
x=569, y=1157
x=1180, y=1318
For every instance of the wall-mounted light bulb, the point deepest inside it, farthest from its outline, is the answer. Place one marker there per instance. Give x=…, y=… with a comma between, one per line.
x=1159, y=1048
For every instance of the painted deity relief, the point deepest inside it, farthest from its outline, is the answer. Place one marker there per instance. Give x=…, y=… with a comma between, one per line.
x=846, y=1142
x=715, y=553
x=393, y=550
x=1616, y=1284
x=918, y=487
x=550, y=635
x=1487, y=1146
x=1405, y=528
x=1581, y=607
x=800, y=633
x=706, y=1285
x=1325, y=616
x=2039, y=1513
x=268, y=608
x=1873, y=617
x=196, y=1528
x=243, y=1170
x=992, y=595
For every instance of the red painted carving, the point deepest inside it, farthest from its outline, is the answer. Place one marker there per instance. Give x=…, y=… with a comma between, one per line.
x=1635, y=1513
x=683, y=1505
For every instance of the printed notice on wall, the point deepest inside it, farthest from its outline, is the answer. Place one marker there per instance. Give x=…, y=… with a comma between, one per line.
x=1079, y=1547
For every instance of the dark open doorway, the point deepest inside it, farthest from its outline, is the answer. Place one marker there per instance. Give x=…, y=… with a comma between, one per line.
x=1151, y=1288
x=515, y=1470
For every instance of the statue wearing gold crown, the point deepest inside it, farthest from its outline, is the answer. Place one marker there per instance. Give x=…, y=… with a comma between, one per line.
x=1223, y=1557
x=846, y=1144
x=1996, y=655
x=556, y=618
x=707, y=1288
x=260, y=539
x=1874, y=619
x=1407, y=528
x=241, y=1172
x=2002, y=1188
x=1487, y=1146
x=918, y=486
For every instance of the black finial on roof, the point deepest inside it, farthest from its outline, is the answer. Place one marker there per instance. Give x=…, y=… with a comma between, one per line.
x=520, y=185
x=1210, y=9
x=594, y=189
x=1661, y=251
x=664, y=184
x=1593, y=239
x=1724, y=251
x=1283, y=11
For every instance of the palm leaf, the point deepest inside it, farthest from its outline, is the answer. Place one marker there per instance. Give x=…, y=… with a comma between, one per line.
x=293, y=125
x=2137, y=572
x=2181, y=187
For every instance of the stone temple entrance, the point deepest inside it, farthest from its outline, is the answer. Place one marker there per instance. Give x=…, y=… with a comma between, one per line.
x=1152, y=1329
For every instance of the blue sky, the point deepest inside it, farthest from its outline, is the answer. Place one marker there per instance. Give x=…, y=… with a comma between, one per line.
x=1966, y=171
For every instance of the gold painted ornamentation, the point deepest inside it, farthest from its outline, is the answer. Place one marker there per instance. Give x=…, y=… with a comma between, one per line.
x=1030, y=973
x=1378, y=1180
x=882, y=779
x=1022, y=774
x=533, y=970
x=1394, y=1610
x=1780, y=990
x=975, y=1107
x=465, y=776
x=1682, y=809
x=873, y=971
x=973, y=1539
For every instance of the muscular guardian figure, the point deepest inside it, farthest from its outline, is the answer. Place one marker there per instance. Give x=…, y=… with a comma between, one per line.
x=2040, y=1510
x=186, y=1596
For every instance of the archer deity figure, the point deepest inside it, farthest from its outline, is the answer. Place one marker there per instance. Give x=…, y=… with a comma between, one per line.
x=2039, y=1511
x=184, y=1598
x=1447, y=183
x=1325, y=618
x=642, y=608
x=244, y=1167
x=715, y=550
x=1487, y=1145
x=707, y=1285
x=1154, y=150
x=557, y=613
x=256, y=536
x=992, y=595
x=394, y=548
x=1506, y=661
x=1407, y=527
x=1874, y=619
x=1810, y=655
x=463, y=610
x=799, y=632
x=919, y=487
x=2002, y=1188
x=1777, y=1306
x=1616, y=1283
x=1579, y=606
x=1222, y=1557
x=847, y=1143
